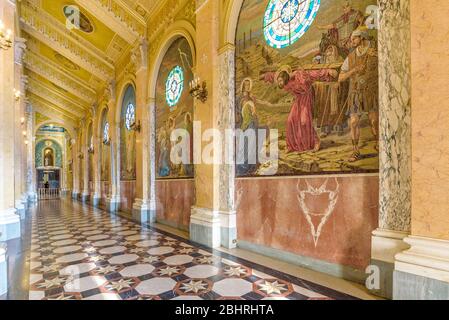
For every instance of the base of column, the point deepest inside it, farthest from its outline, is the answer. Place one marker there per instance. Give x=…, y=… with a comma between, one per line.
x=24, y=200
x=113, y=204
x=228, y=229
x=385, y=244
x=84, y=197
x=422, y=272
x=205, y=227
x=75, y=195
x=95, y=200
x=3, y=271
x=20, y=209
x=32, y=197
x=9, y=225
x=144, y=211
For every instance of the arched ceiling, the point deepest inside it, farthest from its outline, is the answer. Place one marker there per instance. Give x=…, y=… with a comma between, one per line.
x=67, y=68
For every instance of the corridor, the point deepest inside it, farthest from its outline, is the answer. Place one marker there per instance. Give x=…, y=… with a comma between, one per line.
x=78, y=252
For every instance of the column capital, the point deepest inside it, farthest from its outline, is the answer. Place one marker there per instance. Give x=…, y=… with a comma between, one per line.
x=226, y=48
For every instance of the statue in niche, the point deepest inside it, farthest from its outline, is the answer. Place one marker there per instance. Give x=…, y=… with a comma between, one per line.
x=48, y=157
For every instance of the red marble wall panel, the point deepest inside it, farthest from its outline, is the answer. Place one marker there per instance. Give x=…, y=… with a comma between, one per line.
x=127, y=195
x=105, y=185
x=174, y=201
x=325, y=218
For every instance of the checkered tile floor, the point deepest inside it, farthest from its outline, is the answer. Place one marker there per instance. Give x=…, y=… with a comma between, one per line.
x=78, y=252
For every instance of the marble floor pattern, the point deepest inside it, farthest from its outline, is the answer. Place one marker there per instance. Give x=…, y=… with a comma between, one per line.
x=78, y=252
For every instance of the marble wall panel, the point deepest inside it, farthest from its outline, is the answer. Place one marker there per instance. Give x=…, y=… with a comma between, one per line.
x=127, y=195
x=326, y=218
x=174, y=199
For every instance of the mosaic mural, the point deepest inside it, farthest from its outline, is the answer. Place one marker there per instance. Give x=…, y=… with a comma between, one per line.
x=48, y=153
x=174, y=108
x=128, y=136
x=308, y=69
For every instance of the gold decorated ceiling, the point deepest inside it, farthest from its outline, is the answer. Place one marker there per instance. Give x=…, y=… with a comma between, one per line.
x=69, y=69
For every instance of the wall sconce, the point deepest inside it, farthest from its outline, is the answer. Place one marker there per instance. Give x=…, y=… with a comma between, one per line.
x=26, y=142
x=136, y=126
x=91, y=150
x=22, y=120
x=24, y=133
x=5, y=37
x=198, y=90
x=17, y=94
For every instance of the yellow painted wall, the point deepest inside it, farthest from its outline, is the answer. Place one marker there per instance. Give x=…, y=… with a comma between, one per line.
x=430, y=118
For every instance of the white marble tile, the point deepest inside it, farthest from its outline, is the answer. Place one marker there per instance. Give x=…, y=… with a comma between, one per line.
x=124, y=258
x=156, y=286
x=104, y=296
x=137, y=270
x=113, y=250
x=202, y=271
x=147, y=243
x=67, y=249
x=84, y=284
x=160, y=250
x=104, y=243
x=178, y=260
x=232, y=287
x=64, y=242
x=77, y=269
x=71, y=258
x=188, y=298
x=97, y=237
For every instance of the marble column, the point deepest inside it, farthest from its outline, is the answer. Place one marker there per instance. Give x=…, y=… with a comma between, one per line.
x=213, y=219
x=85, y=167
x=422, y=272
x=3, y=271
x=31, y=167
x=395, y=139
x=9, y=220
x=113, y=200
x=95, y=196
x=75, y=166
x=20, y=85
x=142, y=205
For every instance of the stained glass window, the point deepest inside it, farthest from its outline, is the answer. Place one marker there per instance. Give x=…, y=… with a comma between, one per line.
x=106, y=132
x=130, y=116
x=174, y=86
x=286, y=21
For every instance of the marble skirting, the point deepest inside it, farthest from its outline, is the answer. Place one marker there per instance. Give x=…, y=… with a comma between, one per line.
x=324, y=218
x=174, y=200
x=127, y=195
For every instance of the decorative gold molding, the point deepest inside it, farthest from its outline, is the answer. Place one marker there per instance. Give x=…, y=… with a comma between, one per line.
x=49, y=70
x=48, y=30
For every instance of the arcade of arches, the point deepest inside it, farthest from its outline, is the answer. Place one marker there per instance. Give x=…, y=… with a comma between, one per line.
x=116, y=161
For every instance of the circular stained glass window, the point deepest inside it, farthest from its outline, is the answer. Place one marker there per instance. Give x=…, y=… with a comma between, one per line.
x=130, y=116
x=286, y=21
x=106, y=132
x=174, y=86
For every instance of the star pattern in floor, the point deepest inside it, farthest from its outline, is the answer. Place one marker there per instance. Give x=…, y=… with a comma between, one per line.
x=79, y=252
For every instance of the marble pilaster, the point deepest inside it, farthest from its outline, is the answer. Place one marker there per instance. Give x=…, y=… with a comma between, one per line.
x=226, y=170
x=141, y=211
x=422, y=272
x=9, y=220
x=395, y=139
x=113, y=200
x=213, y=218
x=31, y=171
